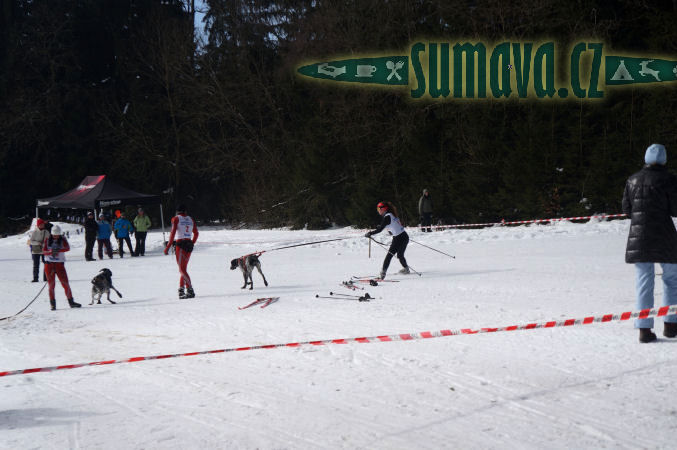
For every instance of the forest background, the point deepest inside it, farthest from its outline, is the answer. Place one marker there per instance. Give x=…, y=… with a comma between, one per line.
x=216, y=117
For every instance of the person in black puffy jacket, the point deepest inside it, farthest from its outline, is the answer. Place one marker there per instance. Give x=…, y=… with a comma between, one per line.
x=650, y=200
x=91, y=229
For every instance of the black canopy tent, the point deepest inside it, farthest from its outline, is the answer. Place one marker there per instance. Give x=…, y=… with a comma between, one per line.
x=98, y=191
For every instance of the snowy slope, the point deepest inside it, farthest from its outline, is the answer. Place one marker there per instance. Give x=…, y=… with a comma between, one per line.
x=588, y=386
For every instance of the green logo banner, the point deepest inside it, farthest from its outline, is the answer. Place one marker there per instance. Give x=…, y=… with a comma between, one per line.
x=389, y=70
x=629, y=70
x=474, y=70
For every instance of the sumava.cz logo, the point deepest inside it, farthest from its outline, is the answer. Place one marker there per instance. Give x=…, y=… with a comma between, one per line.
x=466, y=70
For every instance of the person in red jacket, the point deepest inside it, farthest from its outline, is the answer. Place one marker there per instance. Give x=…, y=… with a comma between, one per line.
x=54, y=249
x=183, y=227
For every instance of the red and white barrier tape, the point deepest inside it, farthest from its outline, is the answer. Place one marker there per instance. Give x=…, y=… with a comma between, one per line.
x=519, y=222
x=643, y=314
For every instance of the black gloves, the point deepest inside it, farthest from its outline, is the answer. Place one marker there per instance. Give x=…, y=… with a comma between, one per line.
x=368, y=234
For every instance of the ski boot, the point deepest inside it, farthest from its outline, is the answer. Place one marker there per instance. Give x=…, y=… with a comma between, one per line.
x=182, y=293
x=382, y=275
x=646, y=335
x=404, y=271
x=52, y=305
x=190, y=293
x=669, y=329
x=73, y=304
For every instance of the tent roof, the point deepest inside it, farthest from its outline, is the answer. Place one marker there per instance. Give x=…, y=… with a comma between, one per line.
x=97, y=191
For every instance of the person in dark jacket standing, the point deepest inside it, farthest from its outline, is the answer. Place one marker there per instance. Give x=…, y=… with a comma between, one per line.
x=91, y=229
x=650, y=200
x=425, y=210
x=391, y=222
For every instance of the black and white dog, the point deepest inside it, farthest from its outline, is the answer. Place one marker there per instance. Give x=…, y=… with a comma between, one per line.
x=102, y=283
x=247, y=264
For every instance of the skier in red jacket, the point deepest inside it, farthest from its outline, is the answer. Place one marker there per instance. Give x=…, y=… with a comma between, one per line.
x=54, y=249
x=183, y=226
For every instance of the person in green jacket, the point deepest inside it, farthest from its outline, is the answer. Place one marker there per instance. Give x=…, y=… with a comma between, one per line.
x=141, y=224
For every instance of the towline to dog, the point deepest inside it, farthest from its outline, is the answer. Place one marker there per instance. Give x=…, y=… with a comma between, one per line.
x=261, y=252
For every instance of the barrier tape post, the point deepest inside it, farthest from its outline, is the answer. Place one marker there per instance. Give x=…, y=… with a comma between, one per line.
x=643, y=314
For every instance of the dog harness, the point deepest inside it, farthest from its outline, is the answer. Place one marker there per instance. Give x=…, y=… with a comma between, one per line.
x=243, y=259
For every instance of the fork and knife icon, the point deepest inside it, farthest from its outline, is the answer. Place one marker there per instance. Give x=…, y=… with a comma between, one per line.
x=394, y=68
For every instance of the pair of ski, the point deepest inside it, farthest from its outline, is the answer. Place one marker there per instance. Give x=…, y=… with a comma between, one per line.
x=360, y=298
x=351, y=285
x=369, y=279
x=264, y=301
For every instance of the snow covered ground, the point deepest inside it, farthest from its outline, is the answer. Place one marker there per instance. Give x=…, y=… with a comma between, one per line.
x=589, y=386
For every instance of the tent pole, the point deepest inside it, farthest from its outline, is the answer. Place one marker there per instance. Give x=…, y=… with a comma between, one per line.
x=162, y=221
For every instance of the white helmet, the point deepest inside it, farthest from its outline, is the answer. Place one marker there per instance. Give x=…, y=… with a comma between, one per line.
x=56, y=230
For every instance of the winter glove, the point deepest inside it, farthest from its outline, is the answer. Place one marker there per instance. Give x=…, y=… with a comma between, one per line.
x=167, y=250
x=54, y=250
x=368, y=234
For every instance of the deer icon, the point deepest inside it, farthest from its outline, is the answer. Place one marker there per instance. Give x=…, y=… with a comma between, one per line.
x=646, y=71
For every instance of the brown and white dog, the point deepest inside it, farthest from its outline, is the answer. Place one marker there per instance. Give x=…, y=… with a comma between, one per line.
x=246, y=265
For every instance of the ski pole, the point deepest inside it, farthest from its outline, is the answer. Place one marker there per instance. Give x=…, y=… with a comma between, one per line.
x=415, y=271
x=379, y=243
x=361, y=299
x=410, y=268
x=433, y=249
x=344, y=295
x=366, y=295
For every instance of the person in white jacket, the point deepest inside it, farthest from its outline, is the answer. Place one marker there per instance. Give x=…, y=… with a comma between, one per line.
x=38, y=237
x=391, y=222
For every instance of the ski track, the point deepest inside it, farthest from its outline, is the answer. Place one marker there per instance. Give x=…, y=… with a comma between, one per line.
x=587, y=386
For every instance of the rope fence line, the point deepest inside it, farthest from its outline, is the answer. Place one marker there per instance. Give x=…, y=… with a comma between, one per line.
x=643, y=314
x=358, y=233
x=521, y=222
